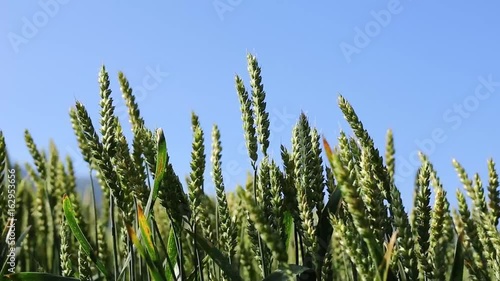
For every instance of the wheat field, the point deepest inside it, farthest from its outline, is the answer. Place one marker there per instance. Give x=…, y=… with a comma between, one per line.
x=324, y=210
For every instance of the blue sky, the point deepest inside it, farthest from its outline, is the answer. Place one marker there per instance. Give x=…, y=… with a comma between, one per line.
x=427, y=70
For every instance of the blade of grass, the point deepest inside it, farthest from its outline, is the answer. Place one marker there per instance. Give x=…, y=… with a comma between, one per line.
x=18, y=245
x=77, y=232
x=325, y=229
x=328, y=151
x=288, y=222
x=146, y=233
x=161, y=164
x=94, y=204
x=114, y=235
x=457, y=272
x=155, y=274
x=388, y=255
x=171, y=255
x=217, y=256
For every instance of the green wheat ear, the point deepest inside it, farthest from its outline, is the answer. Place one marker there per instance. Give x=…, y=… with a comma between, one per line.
x=372, y=196
x=247, y=117
x=103, y=162
x=422, y=218
x=474, y=255
x=259, y=103
x=226, y=231
x=253, y=233
x=351, y=244
x=493, y=192
x=38, y=158
x=196, y=178
x=405, y=246
x=69, y=176
x=143, y=142
x=263, y=226
x=133, y=109
x=390, y=159
x=107, y=114
x=438, y=241
x=65, y=254
x=318, y=171
x=474, y=189
x=380, y=175
x=84, y=269
x=304, y=173
x=132, y=180
x=356, y=208
x=277, y=206
x=80, y=137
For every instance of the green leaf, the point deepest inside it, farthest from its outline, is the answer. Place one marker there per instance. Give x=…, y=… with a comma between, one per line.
x=146, y=233
x=457, y=272
x=172, y=254
x=328, y=151
x=38, y=276
x=161, y=165
x=77, y=232
x=288, y=222
x=155, y=274
x=388, y=274
x=18, y=244
x=304, y=274
x=325, y=229
x=217, y=256
x=20, y=240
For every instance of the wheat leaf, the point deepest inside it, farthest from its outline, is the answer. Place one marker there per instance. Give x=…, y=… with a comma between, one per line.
x=216, y=256
x=457, y=272
x=77, y=232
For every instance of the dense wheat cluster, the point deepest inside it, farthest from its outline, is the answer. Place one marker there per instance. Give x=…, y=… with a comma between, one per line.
x=319, y=212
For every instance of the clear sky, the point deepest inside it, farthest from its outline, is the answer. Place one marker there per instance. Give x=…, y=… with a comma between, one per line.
x=428, y=70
